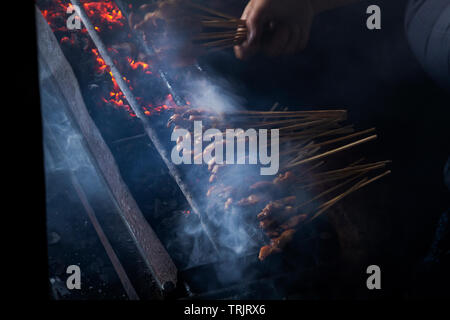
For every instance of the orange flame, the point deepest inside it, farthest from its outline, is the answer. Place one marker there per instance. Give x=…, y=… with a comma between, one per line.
x=105, y=14
x=106, y=10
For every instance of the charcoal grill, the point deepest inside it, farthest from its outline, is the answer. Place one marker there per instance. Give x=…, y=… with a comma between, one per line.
x=152, y=230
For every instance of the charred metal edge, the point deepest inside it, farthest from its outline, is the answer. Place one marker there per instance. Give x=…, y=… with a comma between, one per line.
x=50, y=139
x=153, y=252
x=149, y=130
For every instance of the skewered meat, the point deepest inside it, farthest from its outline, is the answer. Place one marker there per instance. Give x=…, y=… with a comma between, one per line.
x=276, y=219
x=266, y=251
x=250, y=200
x=276, y=244
x=267, y=223
x=221, y=191
x=179, y=120
x=293, y=222
x=212, y=178
x=228, y=203
x=275, y=207
x=261, y=185
x=284, y=178
x=271, y=186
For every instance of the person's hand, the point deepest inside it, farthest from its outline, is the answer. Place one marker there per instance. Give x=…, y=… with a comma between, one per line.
x=276, y=27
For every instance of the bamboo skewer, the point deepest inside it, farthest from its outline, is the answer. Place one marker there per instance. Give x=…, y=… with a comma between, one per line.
x=218, y=35
x=356, y=134
x=353, y=168
x=209, y=10
x=328, y=153
x=219, y=48
x=320, y=195
x=223, y=24
x=357, y=186
x=222, y=42
x=322, y=179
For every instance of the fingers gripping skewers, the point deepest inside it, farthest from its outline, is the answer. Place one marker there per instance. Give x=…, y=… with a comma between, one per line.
x=308, y=183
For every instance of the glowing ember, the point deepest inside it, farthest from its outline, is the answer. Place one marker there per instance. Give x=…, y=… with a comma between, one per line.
x=106, y=11
x=105, y=14
x=136, y=64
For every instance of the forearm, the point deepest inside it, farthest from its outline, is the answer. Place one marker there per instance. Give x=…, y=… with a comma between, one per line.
x=324, y=5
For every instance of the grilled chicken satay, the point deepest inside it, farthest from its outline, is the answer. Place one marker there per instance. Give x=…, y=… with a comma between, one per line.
x=220, y=191
x=250, y=200
x=293, y=222
x=228, y=203
x=277, y=218
x=273, y=229
x=283, y=179
x=262, y=186
x=273, y=207
x=277, y=244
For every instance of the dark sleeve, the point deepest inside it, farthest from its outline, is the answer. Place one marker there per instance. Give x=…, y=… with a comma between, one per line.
x=428, y=31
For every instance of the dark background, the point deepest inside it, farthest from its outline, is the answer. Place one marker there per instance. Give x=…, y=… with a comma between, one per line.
x=373, y=74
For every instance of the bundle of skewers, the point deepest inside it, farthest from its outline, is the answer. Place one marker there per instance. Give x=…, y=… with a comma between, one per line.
x=187, y=29
x=306, y=186
x=309, y=140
